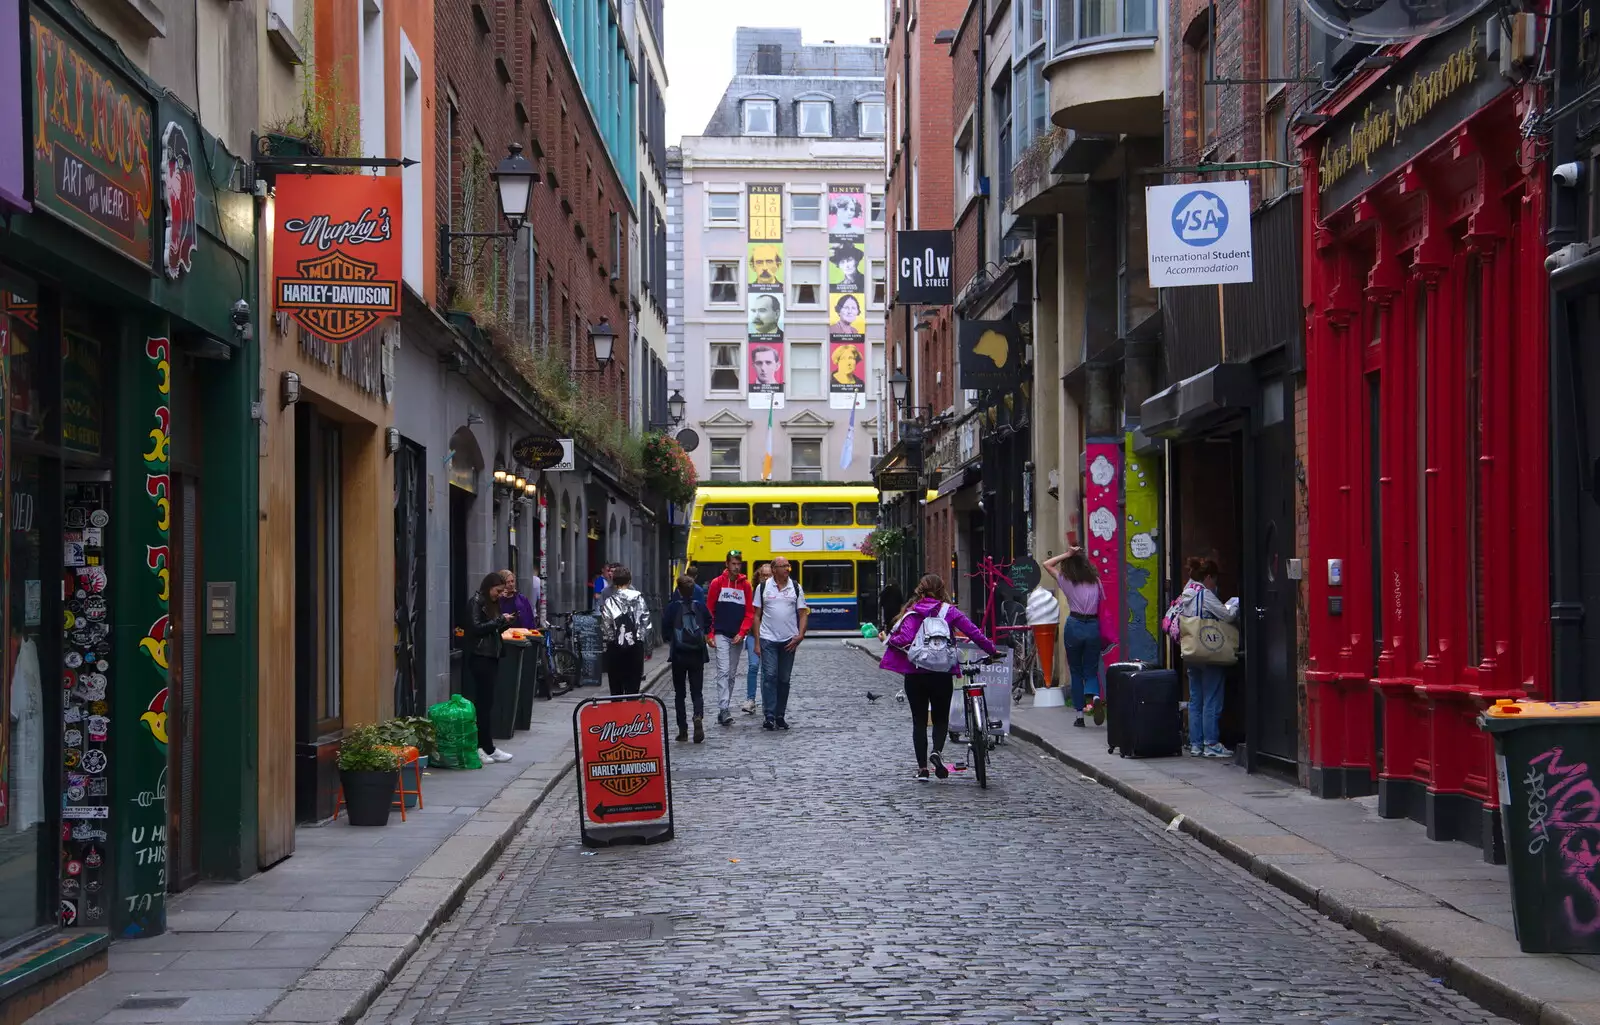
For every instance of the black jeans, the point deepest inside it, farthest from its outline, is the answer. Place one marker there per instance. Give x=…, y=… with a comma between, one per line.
x=695, y=677
x=927, y=692
x=483, y=669
x=625, y=668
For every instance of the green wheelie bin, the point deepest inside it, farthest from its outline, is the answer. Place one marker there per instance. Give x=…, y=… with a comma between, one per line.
x=1547, y=757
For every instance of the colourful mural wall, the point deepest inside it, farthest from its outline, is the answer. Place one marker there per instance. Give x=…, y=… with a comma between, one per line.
x=1102, y=541
x=1142, y=561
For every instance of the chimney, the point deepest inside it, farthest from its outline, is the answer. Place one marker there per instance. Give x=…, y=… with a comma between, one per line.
x=769, y=59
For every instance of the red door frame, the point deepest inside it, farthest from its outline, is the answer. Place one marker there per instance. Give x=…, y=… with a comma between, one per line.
x=1474, y=198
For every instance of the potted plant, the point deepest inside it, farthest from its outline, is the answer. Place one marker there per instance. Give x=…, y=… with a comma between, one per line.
x=369, y=773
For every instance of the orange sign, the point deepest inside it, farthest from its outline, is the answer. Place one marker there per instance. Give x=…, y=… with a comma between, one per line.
x=623, y=777
x=337, y=257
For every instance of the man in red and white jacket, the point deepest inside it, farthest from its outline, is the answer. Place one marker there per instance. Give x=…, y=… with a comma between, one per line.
x=730, y=608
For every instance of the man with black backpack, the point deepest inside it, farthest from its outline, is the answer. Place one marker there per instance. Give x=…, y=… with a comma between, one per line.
x=624, y=625
x=684, y=624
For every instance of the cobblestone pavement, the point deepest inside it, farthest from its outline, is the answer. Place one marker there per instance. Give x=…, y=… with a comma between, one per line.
x=814, y=881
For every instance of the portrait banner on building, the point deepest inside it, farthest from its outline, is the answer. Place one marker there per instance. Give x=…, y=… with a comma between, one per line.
x=847, y=296
x=336, y=254
x=764, y=298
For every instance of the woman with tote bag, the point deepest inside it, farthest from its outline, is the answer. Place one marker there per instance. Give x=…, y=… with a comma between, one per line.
x=1202, y=624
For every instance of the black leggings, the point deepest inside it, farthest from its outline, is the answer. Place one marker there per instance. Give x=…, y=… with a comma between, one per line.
x=625, y=668
x=927, y=692
x=484, y=669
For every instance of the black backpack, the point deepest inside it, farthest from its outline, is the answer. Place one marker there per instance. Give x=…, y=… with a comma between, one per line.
x=689, y=636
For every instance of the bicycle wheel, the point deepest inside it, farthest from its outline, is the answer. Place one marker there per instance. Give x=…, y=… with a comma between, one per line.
x=567, y=669
x=978, y=745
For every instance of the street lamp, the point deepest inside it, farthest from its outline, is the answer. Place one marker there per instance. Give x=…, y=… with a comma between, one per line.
x=514, y=179
x=898, y=385
x=675, y=405
x=604, y=339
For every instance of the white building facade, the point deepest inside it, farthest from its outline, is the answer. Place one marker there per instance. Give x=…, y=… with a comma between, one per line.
x=779, y=244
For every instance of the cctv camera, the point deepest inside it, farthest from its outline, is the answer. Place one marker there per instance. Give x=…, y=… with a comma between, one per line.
x=241, y=313
x=1568, y=174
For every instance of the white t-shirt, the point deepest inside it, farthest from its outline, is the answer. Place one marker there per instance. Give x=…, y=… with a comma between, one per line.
x=780, y=610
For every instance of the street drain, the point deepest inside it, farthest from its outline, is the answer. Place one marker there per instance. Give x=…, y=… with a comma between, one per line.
x=152, y=1003
x=601, y=930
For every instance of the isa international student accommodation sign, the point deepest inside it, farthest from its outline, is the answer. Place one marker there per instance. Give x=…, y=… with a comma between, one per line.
x=1198, y=234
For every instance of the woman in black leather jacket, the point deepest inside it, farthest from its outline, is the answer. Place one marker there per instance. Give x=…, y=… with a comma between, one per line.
x=483, y=656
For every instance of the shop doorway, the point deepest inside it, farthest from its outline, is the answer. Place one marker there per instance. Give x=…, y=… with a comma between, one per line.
x=183, y=694
x=319, y=611
x=1271, y=649
x=460, y=587
x=410, y=578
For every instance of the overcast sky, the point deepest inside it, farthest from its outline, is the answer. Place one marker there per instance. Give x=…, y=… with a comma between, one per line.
x=699, y=37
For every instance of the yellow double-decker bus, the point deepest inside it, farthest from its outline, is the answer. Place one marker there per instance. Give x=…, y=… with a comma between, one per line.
x=819, y=528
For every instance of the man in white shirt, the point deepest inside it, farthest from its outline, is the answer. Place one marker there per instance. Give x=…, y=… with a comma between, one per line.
x=780, y=626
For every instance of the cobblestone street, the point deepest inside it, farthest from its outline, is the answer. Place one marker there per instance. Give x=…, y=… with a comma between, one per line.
x=813, y=880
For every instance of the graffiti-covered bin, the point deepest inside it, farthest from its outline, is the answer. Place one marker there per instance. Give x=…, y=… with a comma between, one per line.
x=1548, y=762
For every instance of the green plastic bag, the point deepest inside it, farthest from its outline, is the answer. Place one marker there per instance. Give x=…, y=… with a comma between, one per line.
x=868, y=630
x=456, y=724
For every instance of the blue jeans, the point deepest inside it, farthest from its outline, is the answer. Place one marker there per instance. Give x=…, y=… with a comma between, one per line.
x=753, y=674
x=1082, y=640
x=776, y=664
x=1205, y=704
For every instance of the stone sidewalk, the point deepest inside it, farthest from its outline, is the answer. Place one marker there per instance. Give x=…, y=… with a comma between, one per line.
x=1436, y=904
x=317, y=936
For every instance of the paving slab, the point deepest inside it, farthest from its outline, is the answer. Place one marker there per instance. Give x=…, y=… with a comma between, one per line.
x=316, y=937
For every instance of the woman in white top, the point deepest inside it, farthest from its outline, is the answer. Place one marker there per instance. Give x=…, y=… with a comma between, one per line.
x=1199, y=599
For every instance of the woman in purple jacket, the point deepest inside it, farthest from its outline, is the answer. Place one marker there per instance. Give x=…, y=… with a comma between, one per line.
x=927, y=691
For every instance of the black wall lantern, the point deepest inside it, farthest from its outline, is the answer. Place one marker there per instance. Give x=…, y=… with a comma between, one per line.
x=514, y=179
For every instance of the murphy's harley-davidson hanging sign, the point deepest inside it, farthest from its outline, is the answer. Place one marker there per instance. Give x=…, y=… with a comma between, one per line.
x=337, y=255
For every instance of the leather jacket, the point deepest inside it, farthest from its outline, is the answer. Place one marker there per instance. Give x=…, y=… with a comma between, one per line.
x=483, y=632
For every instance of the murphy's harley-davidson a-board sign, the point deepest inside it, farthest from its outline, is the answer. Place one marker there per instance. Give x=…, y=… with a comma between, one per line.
x=624, y=779
x=337, y=255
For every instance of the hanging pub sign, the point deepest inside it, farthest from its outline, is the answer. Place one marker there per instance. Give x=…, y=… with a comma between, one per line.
x=899, y=480
x=337, y=257
x=177, y=189
x=922, y=267
x=538, y=451
x=92, y=139
x=990, y=354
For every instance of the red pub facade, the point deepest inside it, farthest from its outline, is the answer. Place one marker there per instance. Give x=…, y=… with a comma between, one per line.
x=1426, y=303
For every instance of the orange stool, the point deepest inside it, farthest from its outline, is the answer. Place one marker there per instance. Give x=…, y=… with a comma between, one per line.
x=408, y=756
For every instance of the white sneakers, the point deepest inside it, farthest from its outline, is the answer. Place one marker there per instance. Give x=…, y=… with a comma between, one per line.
x=498, y=756
x=748, y=708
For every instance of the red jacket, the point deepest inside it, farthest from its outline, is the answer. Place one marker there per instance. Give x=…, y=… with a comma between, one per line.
x=731, y=605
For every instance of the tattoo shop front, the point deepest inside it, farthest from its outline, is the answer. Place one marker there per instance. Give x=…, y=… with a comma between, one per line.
x=128, y=456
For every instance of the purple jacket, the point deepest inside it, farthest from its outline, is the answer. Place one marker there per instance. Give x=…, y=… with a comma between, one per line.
x=894, y=656
x=518, y=605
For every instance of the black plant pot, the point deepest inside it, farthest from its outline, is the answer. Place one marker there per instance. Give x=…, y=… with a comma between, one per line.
x=368, y=796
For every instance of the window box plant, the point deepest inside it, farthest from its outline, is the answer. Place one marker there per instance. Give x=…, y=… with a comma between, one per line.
x=369, y=773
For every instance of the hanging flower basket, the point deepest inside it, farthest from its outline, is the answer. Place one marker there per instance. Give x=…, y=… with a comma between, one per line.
x=884, y=542
x=668, y=469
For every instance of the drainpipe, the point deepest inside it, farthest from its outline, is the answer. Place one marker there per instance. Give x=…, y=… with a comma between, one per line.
x=1568, y=462
x=980, y=153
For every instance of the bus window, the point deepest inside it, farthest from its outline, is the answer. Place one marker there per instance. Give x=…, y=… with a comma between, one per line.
x=777, y=514
x=828, y=514
x=725, y=516
x=867, y=513
x=829, y=578
x=705, y=572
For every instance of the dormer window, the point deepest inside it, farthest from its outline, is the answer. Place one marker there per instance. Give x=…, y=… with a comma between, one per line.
x=760, y=117
x=815, y=118
x=870, y=117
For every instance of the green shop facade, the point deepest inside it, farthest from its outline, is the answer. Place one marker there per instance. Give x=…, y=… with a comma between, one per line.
x=129, y=468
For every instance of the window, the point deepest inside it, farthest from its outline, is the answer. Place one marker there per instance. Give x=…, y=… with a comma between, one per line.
x=411, y=177
x=828, y=578
x=1083, y=22
x=1003, y=142
x=761, y=117
x=875, y=203
x=815, y=118
x=870, y=116
x=827, y=514
x=725, y=460
x=805, y=459
x=1274, y=102
x=805, y=283
x=880, y=284
x=966, y=185
x=867, y=513
x=616, y=246
x=722, y=208
x=1209, y=113
x=725, y=360
x=1275, y=145
x=805, y=370
x=805, y=209
x=777, y=514
x=723, y=278
x=725, y=515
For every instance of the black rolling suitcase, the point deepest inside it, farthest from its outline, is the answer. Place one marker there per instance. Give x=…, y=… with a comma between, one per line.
x=1142, y=711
